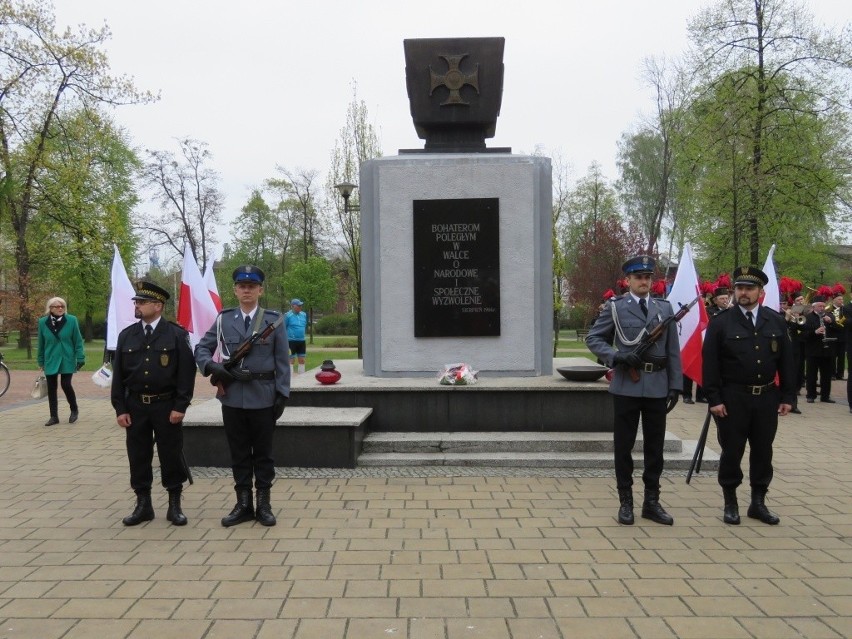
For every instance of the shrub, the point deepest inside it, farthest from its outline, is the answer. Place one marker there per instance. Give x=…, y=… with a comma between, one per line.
x=338, y=324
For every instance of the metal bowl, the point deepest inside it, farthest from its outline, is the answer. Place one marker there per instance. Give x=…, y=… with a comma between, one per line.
x=589, y=373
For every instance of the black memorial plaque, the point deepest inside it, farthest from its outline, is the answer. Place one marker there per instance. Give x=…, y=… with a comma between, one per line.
x=457, y=268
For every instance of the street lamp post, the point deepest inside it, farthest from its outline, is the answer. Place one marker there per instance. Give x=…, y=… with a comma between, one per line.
x=345, y=189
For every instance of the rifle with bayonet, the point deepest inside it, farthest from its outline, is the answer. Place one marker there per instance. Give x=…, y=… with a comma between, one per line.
x=233, y=366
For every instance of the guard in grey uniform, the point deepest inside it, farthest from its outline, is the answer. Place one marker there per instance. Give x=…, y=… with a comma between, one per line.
x=624, y=322
x=255, y=392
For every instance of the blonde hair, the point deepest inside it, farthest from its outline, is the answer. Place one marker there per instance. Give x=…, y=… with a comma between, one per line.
x=54, y=300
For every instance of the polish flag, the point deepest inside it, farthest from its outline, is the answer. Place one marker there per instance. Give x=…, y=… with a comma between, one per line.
x=771, y=294
x=691, y=328
x=210, y=282
x=121, y=313
x=196, y=310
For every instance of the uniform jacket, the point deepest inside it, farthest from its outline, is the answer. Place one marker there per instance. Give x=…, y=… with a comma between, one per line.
x=815, y=346
x=602, y=336
x=269, y=355
x=165, y=365
x=59, y=353
x=741, y=354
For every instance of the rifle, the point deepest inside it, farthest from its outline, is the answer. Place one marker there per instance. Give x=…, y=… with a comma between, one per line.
x=699, y=449
x=656, y=333
x=242, y=351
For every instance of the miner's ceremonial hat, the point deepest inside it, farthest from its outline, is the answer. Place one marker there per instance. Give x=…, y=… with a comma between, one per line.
x=750, y=275
x=639, y=264
x=150, y=291
x=248, y=273
x=721, y=290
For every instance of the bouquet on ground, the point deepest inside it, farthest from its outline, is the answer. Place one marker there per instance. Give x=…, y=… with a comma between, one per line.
x=457, y=375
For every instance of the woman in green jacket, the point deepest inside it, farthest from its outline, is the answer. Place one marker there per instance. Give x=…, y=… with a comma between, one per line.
x=60, y=355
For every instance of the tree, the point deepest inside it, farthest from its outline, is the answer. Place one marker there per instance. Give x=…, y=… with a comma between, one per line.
x=43, y=73
x=357, y=143
x=561, y=222
x=298, y=189
x=313, y=282
x=779, y=70
x=191, y=204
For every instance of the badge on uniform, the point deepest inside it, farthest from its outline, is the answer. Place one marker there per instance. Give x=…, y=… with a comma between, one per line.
x=164, y=359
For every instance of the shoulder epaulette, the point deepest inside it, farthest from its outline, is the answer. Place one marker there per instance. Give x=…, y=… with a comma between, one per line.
x=271, y=312
x=178, y=326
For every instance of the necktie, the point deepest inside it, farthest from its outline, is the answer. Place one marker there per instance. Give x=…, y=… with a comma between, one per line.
x=148, y=331
x=644, y=306
x=248, y=322
x=750, y=317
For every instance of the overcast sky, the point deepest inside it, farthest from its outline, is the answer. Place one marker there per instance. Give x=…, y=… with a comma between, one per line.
x=267, y=82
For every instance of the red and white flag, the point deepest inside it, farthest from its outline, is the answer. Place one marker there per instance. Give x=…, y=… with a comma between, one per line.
x=210, y=282
x=771, y=294
x=691, y=328
x=196, y=311
x=121, y=313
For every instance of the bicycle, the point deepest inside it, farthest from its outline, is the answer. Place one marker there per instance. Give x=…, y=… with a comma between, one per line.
x=5, y=377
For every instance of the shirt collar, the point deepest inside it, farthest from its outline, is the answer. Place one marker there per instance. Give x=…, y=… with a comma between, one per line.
x=753, y=312
x=250, y=314
x=636, y=298
x=153, y=324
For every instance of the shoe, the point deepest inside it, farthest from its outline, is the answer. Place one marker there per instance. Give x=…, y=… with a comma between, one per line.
x=758, y=509
x=731, y=513
x=263, y=512
x=52, y=421
x=651, y=509
x=828, y=401
x=625, y=511
x=688, y=400
x=795, y=411
x=701, y=401
x=74, y=416
x=243, y=510
x=809, y=400
x=144, y=511
x=175, y=514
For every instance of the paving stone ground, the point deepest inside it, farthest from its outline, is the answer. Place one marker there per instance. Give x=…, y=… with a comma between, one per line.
x=447, y=556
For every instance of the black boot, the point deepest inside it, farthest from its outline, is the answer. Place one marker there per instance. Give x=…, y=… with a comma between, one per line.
x=625, y=512
x=174, y=514
x=144, y=511
x=243, y=510
x=263, y=513
x=758, y=509
x=74, y=416
x=651, y=509
x=52, y=421
x=732, y=510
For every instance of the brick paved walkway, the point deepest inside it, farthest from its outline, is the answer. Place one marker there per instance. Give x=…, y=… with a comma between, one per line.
x=417, y=558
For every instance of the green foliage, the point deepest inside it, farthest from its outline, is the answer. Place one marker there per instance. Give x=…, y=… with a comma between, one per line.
x=338, y=324
x=312, y=282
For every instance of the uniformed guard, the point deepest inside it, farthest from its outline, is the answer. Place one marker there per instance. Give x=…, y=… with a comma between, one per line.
x=627, y=320
x=256, y=391
x=744, y=348
x=152, y=385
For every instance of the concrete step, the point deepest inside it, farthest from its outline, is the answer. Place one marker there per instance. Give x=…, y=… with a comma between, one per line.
x=494, y=442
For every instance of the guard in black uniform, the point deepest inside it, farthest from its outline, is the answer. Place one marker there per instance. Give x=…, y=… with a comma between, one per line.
x=744, y=348
x=152, y=386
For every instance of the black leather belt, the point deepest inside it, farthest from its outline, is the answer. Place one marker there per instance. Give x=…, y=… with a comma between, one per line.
x=150, y=399
x=652, y=367
x=267, y=375
x=759, y=390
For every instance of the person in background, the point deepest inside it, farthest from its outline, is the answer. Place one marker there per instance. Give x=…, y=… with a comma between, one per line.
x=296, y=322
x=659, y=383
x=840, y=324
x=60, y=355
x=820, y=335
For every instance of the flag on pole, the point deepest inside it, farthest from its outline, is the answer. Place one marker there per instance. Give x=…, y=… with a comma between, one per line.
x=196, y=311
x=121, y=312
x=210, y=282
x=771, y=296
x=691, y=328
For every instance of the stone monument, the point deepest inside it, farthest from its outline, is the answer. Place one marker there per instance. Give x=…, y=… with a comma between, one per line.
x=456, y=237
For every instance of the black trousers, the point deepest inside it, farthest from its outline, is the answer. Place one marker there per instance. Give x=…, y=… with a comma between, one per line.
x=626, y=425
x=52, y=395
x=825, y=367
x=249, y=434
x=840, y=363
x=752, y=419
x=148, y=421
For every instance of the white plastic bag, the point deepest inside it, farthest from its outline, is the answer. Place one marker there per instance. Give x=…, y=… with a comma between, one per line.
x=103, y=376
x=39, y=388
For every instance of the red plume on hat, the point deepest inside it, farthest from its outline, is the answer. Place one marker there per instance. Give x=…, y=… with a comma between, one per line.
x=622, y=285
x=723, y=280
x=824, y=291
x=787, y=285
x=608, y=294
x=658, y=287
x=838, y=289
x=707, y=287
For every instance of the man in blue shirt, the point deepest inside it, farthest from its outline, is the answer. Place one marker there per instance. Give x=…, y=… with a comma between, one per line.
x=296, y=322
